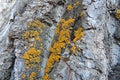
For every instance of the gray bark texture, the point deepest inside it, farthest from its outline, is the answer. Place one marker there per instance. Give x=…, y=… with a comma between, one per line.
x=99, y=55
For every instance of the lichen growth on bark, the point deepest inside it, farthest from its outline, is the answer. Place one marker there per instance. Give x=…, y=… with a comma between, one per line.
x=63, y=34
x=117, y=15
x=32, y=56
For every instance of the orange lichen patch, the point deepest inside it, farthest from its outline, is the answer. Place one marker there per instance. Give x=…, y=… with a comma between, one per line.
x=32, y=76
x=117, y=15
x=61, y=21
x=73, y=48
x=57, y=30
x=31, y=34
x=78, y=34
x=64, y=30
x=63, y=39
x=31, y=57
x=46, y=77
x=66, y=24
x=50, y=62
x=36, y=24
x=34, y=30
x=79, y=49
x=57, y=47
x=23, y=76
x=69, y=7
x=64, y=36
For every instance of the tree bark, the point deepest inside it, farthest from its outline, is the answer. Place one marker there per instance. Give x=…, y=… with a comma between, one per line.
x=99, y=54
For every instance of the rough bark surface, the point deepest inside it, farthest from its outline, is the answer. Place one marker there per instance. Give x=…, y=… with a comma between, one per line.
x=99, y=57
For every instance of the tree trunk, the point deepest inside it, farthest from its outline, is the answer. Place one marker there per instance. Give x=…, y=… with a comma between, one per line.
x=59, y=40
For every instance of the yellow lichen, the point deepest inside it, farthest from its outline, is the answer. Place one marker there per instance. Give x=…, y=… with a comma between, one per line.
x=46, y=77
x=50, y=62
x=63, y=30
x=34, y=29
x=73, y=48
x=23, y=76
x=79, y=49
x=57, y=30
x=31, y=34
x=117, y=15
x=32, y=76
x=63, y=39
x=69, y=7
x=31, y=57
x=57, y=47
x=66, y=24
x=78, y=34
x=35, y=24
